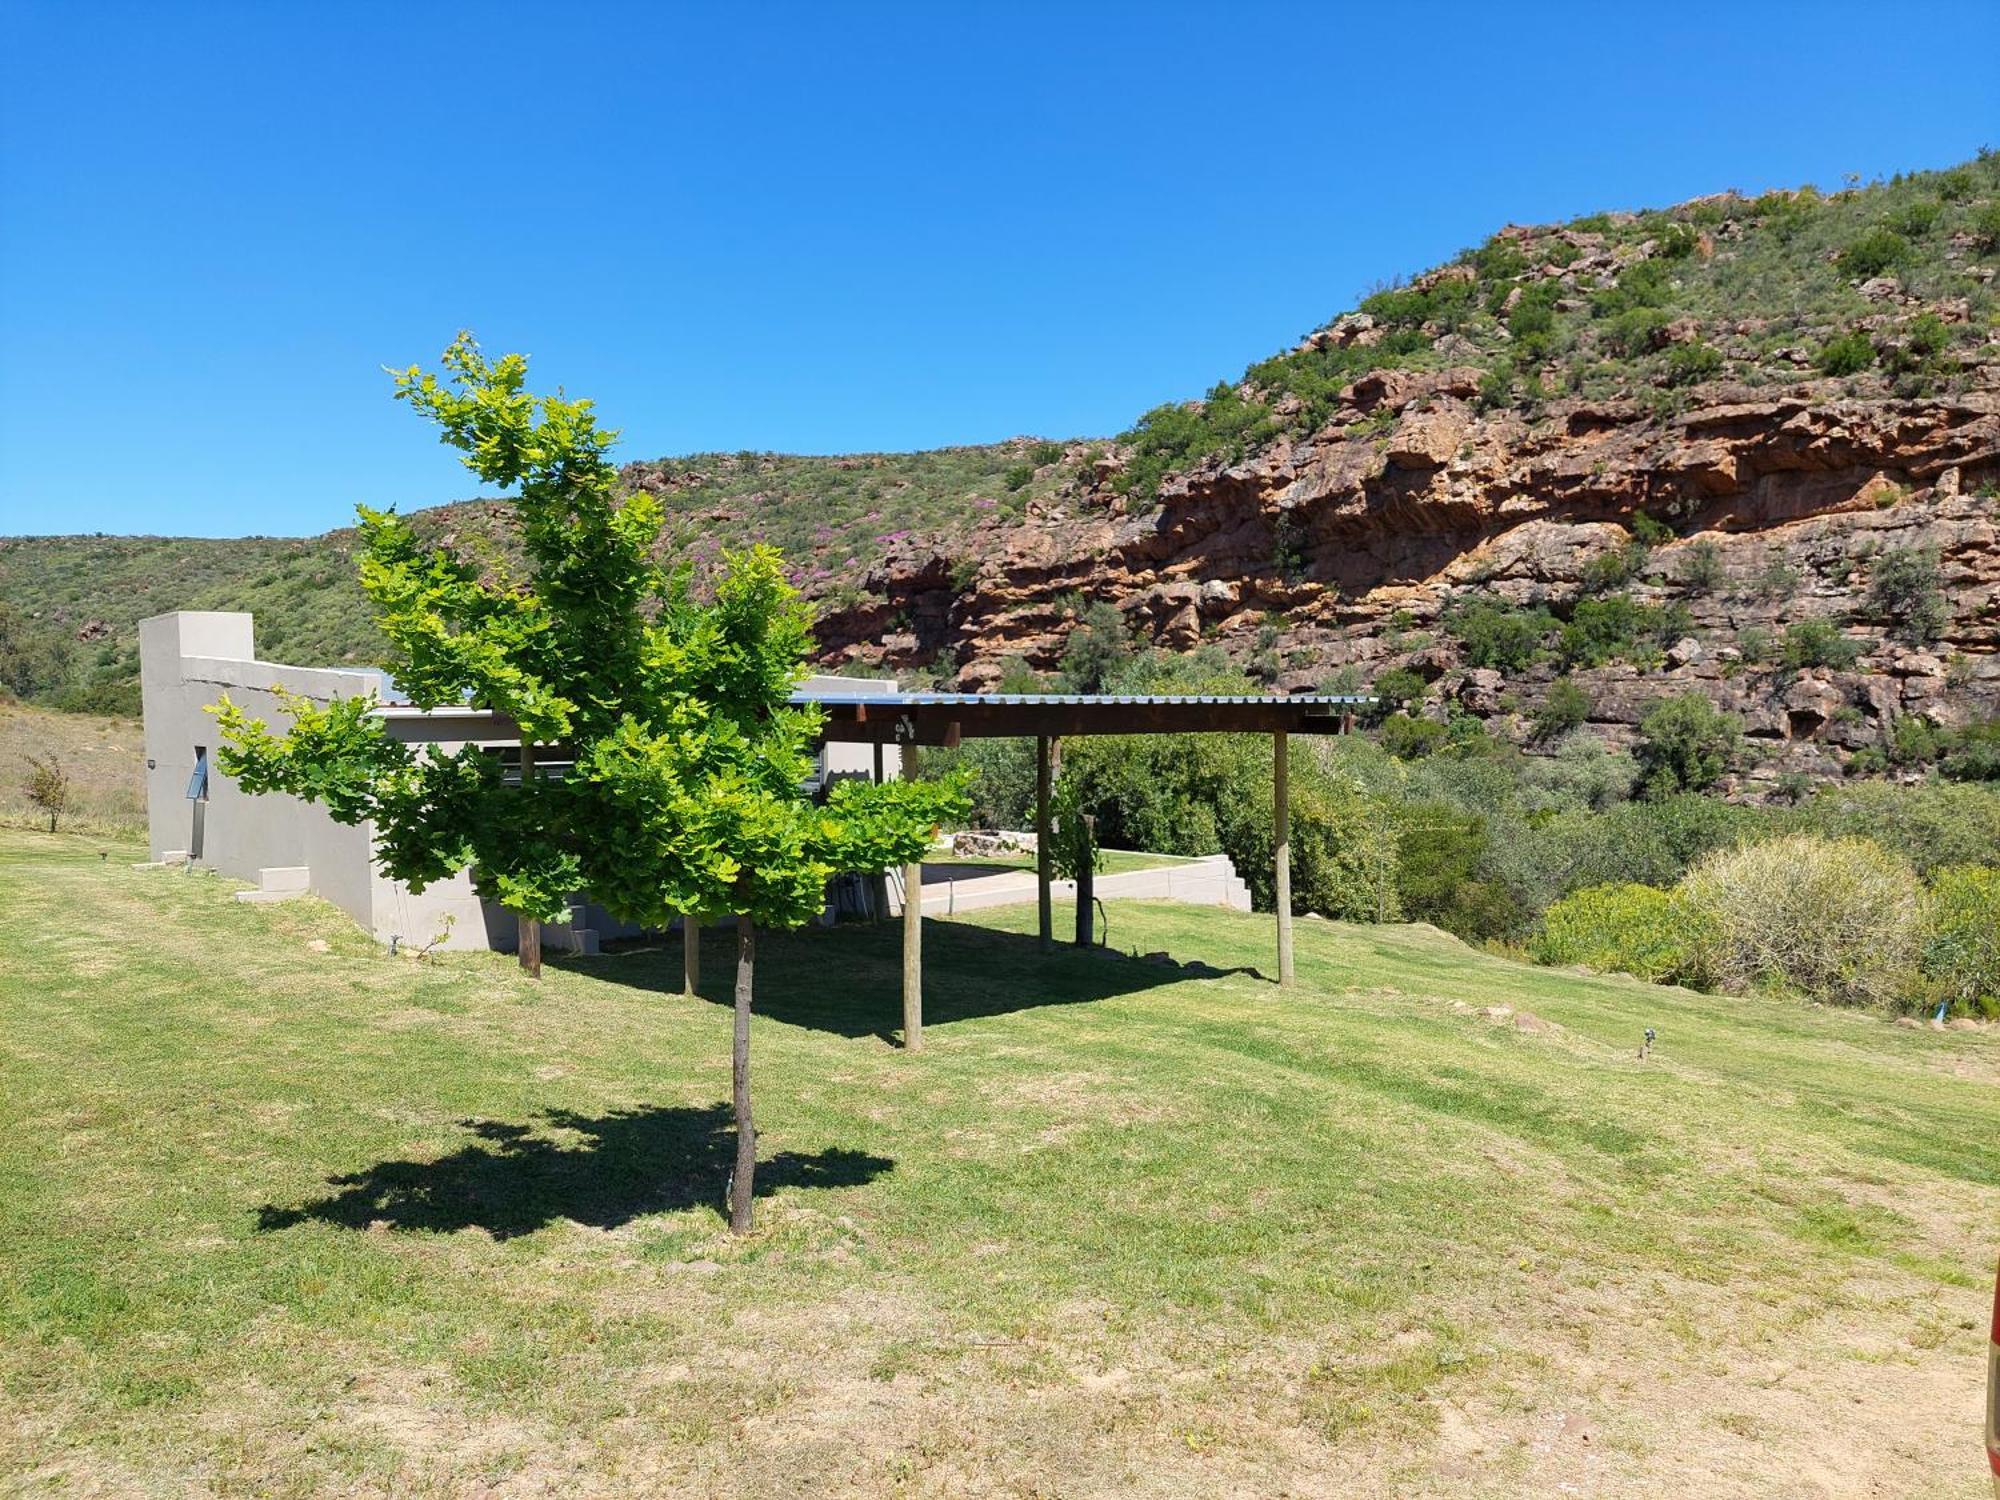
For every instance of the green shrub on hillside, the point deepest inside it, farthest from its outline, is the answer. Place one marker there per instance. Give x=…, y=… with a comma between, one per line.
x=1848, y=354
x=1701, y=567
x=1817, y=643
x=1961, y=952
x=1410, y=738
x=1603, y=630
x=1985, y=227
x=1872, y=253
x=1565, y=707
x=1630, y=929
x=1686, y=744
x=1836, y=920
x=1690, y=364
x=1494, y=634
x=1904, y=586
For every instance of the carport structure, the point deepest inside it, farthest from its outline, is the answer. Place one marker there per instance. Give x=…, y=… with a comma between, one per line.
x=948, y=719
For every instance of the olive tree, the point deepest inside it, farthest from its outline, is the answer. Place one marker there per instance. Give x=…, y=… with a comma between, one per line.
x=687, y=760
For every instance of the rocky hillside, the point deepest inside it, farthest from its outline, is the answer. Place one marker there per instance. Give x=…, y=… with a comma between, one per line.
x=1748, y=446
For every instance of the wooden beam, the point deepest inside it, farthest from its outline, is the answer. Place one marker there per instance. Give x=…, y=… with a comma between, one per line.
x=913, y=957
x=1044, y=855
x=1281, y=844
x=947, y=723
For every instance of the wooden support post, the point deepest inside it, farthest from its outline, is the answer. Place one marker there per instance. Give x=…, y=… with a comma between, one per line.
x=1044, y=855
x=690, y=955
x=1086, y=872
x=1281, y=843
x=913, y=957
x=529, y=943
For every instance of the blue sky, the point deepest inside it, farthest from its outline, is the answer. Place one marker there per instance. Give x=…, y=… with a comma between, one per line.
x=814, y=228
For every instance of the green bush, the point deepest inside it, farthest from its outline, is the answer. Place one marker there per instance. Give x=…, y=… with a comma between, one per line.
x=1975, y=753
x=1631, y=929
x=1635, y=331
x=1848, y=354
x=1817, y=643
x=1565, y=707
x=1837, y=920
x=1018, y=476
x=1690, y=364
x=1986, y=227
x=1582, y=774
x=1701, y=567
x=1872, y=254
x=1904, y=585
x=1492, y=634
x=1397, y=688
x=1915, y=220
x=1602, y=630
x=1409, y=738
x=1686, y=744
x=1961, y=952
x=1098, y=643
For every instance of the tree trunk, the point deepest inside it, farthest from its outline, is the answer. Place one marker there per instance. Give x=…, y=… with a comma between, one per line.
x=742, y=1181
x=690, y=955
x=530, y=943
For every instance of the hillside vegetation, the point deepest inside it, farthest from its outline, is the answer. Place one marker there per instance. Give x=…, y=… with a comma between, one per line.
x=1886, y=284
x=286, y=1215
x=70, y=605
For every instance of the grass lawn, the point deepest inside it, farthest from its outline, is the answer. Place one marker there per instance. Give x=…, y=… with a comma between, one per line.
x=1115, y=861
x=280, y=1215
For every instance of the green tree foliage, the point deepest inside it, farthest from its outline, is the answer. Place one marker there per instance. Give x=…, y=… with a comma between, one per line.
x=1441, y=851
x=1692, y=363
x=1685, y=744
x=1603, y=630
x=684, y=794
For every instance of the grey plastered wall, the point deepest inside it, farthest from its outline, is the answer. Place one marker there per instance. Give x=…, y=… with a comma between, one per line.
x=187, y=661
x=190, y=658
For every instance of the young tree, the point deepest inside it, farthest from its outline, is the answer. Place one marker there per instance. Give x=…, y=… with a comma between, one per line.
x=687, y=759
x=48, y=788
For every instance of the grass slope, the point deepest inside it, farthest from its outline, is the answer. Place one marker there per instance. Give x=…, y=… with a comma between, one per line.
x=280, y=1215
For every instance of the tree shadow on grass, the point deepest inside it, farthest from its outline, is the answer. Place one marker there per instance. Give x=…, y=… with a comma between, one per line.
x=849, y=979
x=516, y=1180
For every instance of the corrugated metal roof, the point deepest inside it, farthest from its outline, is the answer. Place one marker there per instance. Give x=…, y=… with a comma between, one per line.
x=973, y=700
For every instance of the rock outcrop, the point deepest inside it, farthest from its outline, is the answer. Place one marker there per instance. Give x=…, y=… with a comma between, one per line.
x=1354, y=541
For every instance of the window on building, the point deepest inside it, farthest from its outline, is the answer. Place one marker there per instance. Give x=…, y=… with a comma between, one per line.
x=198, y=783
